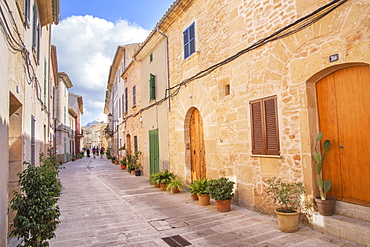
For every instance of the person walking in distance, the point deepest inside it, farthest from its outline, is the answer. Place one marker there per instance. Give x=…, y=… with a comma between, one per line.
x=94, y=150
x=102, y=152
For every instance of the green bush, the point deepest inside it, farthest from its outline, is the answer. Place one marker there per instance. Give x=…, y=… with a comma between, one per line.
x=220, y=189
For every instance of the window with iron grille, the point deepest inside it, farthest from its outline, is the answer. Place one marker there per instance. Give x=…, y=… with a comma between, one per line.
x=264, y=120
x=33, y=120
x=189, y=40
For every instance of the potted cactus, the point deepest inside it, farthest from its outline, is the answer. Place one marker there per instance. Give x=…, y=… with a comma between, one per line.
x=326, y=205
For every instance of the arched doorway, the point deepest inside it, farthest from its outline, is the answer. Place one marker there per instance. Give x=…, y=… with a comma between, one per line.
x=197, y=150
x=343, y=101
x=128, y=143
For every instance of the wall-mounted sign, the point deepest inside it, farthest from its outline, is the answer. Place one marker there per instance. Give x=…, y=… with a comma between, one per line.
x=334, y=58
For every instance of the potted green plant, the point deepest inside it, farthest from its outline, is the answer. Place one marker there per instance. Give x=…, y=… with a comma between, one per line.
x=222, y=190
x=165, y=178
x=154, y=179
x=193, y=189
x=175, y=186
x=138, y=169
x=326, y=205
x=123, y=163
x=203, y=195
x=288, y=196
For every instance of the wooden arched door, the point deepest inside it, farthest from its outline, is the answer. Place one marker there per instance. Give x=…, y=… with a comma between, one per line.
x=343, y=99
x=197, y=151
x=128, y=143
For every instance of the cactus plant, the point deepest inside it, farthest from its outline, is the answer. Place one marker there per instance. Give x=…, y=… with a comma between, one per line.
x=324, y=186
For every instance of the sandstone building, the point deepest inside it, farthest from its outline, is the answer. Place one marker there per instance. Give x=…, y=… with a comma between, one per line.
x=250, y=84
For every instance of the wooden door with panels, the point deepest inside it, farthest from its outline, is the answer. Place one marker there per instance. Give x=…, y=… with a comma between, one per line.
x=197, y=150
x=343, y=99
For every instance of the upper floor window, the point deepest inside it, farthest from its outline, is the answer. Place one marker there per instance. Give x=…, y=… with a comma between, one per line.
x=126, y=99
x=265, y=131
x=36, y=34
x=134, y=96
x=152, y=87
x=189, y=40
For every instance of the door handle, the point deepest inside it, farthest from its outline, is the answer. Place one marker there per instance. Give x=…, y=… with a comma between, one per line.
x=341, y=146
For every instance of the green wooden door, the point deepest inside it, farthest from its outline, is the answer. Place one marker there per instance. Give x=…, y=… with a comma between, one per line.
x=154, y=151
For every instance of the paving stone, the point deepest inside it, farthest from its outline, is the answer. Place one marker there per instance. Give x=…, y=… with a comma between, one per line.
x=102, y=205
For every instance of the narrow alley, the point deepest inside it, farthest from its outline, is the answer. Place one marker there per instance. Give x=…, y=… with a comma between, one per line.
x=102, y=205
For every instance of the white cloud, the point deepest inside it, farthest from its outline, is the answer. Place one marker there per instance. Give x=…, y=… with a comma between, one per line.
x=86, y=46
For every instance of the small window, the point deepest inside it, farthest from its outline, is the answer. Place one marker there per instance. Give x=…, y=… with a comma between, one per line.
x=33, y=140
x=151, y=58
x=152, y=87
x=227, y=89
x=264, y=120
x=189, y=40
x=134, y=96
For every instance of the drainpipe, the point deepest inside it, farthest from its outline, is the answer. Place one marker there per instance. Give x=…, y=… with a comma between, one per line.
x=167, y=68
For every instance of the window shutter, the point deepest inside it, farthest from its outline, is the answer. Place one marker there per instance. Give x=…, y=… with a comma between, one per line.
x=27, y=12
x=152, y=87
x=272, y=133
x=34, y=30
x=265, y=134
x=186, y=43
x=257, y=127
x=134, y=95
x=192, y=39
x=126, y=99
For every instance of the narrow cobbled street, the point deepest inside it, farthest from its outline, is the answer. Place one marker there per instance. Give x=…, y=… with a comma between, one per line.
x=102, y=205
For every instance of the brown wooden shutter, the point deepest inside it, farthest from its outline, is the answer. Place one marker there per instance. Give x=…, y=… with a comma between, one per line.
x=271, y=127
x=265, y=134
x=257, y=127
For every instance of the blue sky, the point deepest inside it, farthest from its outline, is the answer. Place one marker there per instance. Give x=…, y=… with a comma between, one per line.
x=145, y=13
x=87, y=37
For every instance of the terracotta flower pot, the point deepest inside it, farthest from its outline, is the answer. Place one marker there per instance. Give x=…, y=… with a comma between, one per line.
x=204, y=199
x=288, y=222
x=176, y=190
x=123, y=167
x=326, y=207
x=194, y=197
x=223, y=205
x=156, y=186
x=162, y=186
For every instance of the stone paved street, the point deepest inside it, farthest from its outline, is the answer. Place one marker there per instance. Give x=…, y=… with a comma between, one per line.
x=102, y=205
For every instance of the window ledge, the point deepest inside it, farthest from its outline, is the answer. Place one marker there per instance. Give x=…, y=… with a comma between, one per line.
x=191, y=57
x=266, y=156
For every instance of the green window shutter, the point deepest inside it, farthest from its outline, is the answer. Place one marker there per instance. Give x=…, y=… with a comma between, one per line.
x=152, y=87
x=151, y=58
x=33, y=140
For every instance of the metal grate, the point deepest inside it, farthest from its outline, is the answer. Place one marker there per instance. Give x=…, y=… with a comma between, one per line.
x=176, y=241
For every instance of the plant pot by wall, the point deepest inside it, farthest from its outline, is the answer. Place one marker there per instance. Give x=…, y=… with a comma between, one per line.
x=176, y=190
x=204, y=199
x=223, y=205
x=138, y=173
x=162, y=186
x=156, y=185
x=123, y=167
x=194, y=197
x=326, y=207
x=288, y=222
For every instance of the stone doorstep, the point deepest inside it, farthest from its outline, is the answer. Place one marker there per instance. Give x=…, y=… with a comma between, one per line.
x=353, y=211
x=344, y=227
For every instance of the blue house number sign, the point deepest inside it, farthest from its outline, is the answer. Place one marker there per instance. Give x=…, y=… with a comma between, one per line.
x=334, y=58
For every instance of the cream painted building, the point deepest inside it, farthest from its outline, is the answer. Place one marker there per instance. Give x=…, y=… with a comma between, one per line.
x=154, y=84
x=252, y=83
x=26, y=82
x=93, y=136
x=117, y=103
